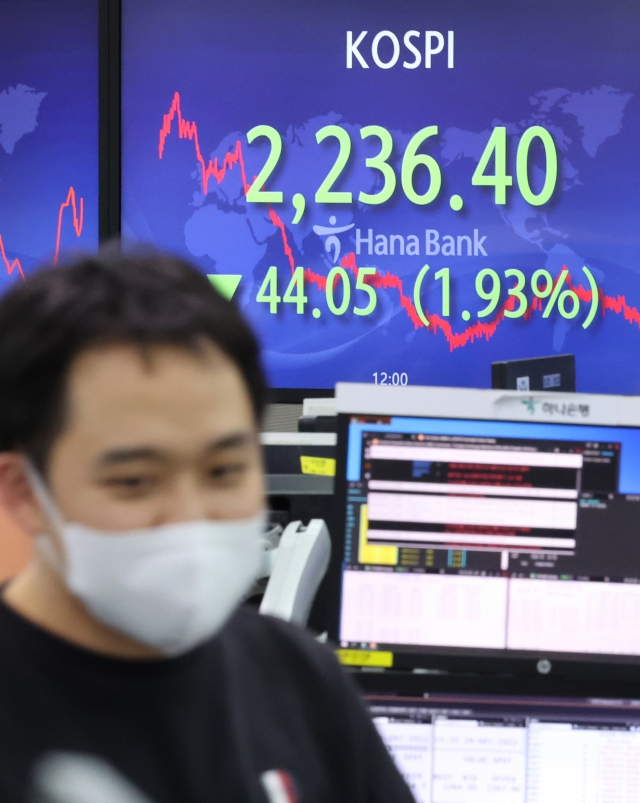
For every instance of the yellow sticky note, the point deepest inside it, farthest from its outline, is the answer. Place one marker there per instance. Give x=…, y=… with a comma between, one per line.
x=365, y=658
x=323, y=466
x=370, y=554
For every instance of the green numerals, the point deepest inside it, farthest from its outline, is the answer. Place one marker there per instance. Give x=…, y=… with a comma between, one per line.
x=489, y=288
x=493, y=295
x=337, y=291
x=444, y=274
x=370, y=291
x=516, y=292
x=379, y=162
x=332, y=281
x=294, y=294
x=268, y=292
x=495, y=153
x=339, y=275
x=542, y=286
x=496, y=147
x=255, y=193
x=494, y=157
x=522, y=165
x=412, y=159
x=325, y=195
x=488, y=284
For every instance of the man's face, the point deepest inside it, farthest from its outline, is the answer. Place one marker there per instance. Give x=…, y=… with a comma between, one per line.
x=148, y=441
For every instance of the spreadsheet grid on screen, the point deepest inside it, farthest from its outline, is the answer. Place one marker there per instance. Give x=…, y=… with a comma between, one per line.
x=492, y=535
x=475, y=749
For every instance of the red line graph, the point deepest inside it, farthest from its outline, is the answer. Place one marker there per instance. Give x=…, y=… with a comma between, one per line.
x=189, y=130
x=78, y=219
x=10, y=266
x=212, y=169
x=78, y=222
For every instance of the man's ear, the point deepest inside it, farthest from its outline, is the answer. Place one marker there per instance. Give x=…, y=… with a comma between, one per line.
x=16, y=496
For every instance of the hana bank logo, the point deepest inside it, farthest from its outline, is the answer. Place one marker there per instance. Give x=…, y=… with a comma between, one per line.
x=332, y=242
x=561, y=409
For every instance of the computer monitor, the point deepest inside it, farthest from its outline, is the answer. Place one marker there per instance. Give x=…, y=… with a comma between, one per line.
x=487, y=524
x=48, y=132
x=557, y=373
x=472, y=748
x=396, y=193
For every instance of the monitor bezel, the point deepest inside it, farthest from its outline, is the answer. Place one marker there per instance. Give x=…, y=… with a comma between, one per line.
x=472, y=404
x=399, y=684
x=109, y=119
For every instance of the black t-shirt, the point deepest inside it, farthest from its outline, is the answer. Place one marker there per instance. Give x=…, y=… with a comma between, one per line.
x=201, y=728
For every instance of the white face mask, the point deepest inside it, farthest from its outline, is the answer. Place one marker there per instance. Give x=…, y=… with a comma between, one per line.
x=171, y=587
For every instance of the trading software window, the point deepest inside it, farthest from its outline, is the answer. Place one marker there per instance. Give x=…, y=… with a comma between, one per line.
x=457, y=749
x=481, y=534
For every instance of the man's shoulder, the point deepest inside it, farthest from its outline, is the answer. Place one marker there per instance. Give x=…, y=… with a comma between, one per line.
x=280, y=673
x=268, y=643
x=248, y=620
x=253, y=631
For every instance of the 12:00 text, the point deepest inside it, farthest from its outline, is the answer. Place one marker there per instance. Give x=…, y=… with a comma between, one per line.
x=395, y=378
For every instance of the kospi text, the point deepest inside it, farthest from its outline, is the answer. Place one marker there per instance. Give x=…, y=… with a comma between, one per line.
x=383, y=49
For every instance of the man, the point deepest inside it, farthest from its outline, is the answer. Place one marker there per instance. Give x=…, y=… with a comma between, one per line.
x=130, y=399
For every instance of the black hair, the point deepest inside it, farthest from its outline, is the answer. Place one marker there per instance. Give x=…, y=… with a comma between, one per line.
x=144, y=299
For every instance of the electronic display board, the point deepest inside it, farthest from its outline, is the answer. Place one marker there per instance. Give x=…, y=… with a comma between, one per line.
x=48, y=132
x=399, y=194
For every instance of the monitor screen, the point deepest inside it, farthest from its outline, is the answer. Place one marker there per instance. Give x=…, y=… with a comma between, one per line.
x=396, y=193
x=493, y=535
x=48, y=132
x=455, y=748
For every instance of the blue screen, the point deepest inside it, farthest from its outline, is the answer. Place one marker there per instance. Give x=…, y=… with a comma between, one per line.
x=629, y=439
x=48, y=132
x=479, y=159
